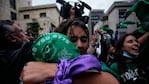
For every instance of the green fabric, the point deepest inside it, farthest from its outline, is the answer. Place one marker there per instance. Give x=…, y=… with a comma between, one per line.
x=141, y=8
x=125, y=23
x=108, y=30
x=52, y=47
x=129, y=22
x=114, y=67
x=107, y=69
x=141, y=30
x=121, y=25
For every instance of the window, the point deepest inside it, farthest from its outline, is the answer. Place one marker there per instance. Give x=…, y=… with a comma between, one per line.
x=12, y=4
x=122, y=18
x=42, y=14
x=26, y=16
x=122, y=14
x=29, y=3
x=95, y=18
x=13, y=16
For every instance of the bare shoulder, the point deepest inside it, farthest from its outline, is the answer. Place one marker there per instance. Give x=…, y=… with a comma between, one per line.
x=95, y=78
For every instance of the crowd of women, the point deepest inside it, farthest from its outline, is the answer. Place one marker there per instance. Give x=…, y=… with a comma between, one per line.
x=115, y=63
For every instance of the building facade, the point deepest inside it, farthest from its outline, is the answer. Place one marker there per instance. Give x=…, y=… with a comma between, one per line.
x=94, y=17
x=46, y=15
x=24, y=13
x=116, y=14
x=9, y=8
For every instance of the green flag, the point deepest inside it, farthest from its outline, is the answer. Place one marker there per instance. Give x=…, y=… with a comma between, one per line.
x=129, y=22
x=121, y=25
x=107, y=29
x=52, y=47
x=140, y=8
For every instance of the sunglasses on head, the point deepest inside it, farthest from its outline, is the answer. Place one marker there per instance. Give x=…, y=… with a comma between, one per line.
x=82, y=38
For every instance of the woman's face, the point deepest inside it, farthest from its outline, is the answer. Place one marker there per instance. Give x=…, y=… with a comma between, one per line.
x=16, y=34
x=79, y=38
x=131, y=45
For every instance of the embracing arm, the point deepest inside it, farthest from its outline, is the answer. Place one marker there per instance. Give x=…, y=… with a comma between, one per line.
x=38, y=72
x=95, y=78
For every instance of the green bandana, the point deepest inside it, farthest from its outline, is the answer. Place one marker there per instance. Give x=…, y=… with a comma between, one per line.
x=52, y=47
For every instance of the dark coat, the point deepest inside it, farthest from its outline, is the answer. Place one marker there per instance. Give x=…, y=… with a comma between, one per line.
x=12, y=61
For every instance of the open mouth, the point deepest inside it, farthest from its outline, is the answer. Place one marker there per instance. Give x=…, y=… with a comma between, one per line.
x=135, y=48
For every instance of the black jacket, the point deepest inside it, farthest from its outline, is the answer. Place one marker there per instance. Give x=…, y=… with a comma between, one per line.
x=12, y=61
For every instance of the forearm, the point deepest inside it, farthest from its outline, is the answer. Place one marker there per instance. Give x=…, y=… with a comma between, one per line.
x=143, y=38
x=95, y=78
x=38, y=72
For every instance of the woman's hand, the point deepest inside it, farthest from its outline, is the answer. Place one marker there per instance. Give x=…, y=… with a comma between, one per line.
x=38, y=72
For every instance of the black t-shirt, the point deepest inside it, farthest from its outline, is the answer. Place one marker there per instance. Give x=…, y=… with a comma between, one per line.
x=129, y=73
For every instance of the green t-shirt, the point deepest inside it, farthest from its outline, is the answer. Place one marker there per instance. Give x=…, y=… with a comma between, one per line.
x=107, y=69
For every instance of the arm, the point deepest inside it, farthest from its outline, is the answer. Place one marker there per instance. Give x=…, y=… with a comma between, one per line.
x=38, y=72
x=143, y=38
x=95, y=78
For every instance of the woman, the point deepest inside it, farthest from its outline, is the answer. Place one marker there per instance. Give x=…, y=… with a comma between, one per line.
x=15, y=51
x=37, y=72
x=126, y=66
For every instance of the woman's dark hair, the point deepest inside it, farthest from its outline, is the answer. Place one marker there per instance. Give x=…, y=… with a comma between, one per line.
x=4, y=29
x=65, y=25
